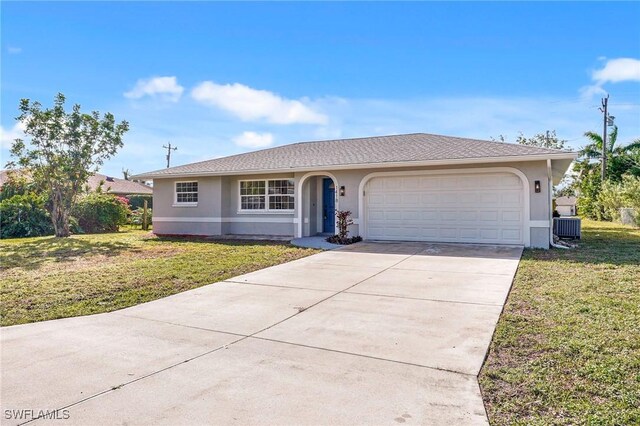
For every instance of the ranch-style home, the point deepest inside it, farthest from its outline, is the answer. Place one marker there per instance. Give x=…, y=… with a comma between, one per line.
x=413, y=187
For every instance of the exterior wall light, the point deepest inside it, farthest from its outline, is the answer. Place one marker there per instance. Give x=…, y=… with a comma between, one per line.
x=342, y=191
x=536, y=185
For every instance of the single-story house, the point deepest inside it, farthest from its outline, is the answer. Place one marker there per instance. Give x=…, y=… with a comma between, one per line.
x=566, y=206
x=109, y=184
x=413, y=187
x=118, y=186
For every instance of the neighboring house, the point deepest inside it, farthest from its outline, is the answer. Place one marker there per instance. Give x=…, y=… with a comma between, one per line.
x=109, y=184
x=118, y=186
x=416, y=187
x=566, y=206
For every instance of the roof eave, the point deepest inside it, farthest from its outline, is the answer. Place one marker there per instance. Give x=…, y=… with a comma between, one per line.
x=456, y=161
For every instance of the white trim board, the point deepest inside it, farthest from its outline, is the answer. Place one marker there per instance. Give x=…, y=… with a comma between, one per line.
x=538, y=224
x=226, y=219
x=300, y=199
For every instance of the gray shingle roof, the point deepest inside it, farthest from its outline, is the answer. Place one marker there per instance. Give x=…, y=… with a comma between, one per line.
x=111, y=184
x=417, y=147
x=117, y=186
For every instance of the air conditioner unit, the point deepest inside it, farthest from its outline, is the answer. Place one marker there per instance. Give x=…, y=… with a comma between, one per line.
x=567, y=227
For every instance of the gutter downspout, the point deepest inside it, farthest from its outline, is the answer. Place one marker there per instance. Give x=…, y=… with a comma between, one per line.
x=550, y=180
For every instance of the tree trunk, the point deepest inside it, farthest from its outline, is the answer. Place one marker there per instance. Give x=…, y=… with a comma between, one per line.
x=60, y=215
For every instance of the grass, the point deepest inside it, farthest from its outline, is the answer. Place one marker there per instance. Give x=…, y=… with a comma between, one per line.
x=567, y=347
x=46, y=278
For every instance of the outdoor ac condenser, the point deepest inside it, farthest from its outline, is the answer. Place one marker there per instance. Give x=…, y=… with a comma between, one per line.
x=567, y=227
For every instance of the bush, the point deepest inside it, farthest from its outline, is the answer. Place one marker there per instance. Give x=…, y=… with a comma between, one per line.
x=24, y=216
x=136, y=216
x=137, y=201
x=344, y=221
x=100, y=212
x=614, y=196
x=588, y=203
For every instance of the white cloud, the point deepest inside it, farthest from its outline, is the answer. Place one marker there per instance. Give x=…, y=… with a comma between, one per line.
x=165, y=87
x=588, y=92
x=251, y=104
x=618, y=70
x=254, y=140
x=614, y=71
x=13, y=50
x=7, y=136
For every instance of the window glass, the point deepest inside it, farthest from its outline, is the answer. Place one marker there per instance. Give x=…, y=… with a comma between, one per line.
x=252, y=187
x=281, y=186
x=277, y=194
x=186, y=192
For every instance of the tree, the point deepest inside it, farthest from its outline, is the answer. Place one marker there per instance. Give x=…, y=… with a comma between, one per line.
x=620, y=159
x=64, y=149
x=542, y=140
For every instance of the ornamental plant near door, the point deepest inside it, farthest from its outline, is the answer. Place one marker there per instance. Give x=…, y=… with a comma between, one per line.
x=344, y=219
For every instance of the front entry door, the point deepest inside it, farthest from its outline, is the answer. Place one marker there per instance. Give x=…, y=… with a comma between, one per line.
x=328, y=206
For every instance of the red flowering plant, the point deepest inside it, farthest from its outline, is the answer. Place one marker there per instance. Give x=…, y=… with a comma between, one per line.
x=101, y=212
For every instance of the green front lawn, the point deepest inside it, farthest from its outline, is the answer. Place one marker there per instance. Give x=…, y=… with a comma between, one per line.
x=567, y=347
x=47, y=278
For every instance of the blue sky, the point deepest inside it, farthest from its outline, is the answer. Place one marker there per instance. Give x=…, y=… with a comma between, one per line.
x=222, y=78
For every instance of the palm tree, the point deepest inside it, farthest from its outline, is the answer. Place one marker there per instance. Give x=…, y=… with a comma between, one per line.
x=622, y=159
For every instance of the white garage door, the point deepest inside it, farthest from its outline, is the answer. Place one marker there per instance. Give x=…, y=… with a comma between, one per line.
x=474, y=208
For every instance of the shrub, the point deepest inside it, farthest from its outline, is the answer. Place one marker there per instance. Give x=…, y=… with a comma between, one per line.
x=136, y=216
x=24, y=216
x=588, y=204
x=610, y=199
x=344, y=220
x=614, y=196
x=137, y=201
x=100, y=212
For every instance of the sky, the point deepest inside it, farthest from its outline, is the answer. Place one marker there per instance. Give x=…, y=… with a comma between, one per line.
x=217, y=79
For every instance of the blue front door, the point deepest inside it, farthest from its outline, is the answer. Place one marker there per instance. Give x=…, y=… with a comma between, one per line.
x=328, y=206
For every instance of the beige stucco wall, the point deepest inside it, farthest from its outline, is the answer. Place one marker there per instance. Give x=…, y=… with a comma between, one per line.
x=538, y=206
x=217, y=212
x=219, y=201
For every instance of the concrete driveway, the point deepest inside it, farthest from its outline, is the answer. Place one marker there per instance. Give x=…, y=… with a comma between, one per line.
x=367, y=334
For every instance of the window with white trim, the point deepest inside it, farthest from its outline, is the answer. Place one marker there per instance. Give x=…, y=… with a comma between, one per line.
x=267, y=195
x=186, y=193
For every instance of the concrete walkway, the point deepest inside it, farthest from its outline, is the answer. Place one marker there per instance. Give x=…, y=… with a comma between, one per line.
x=317, y=242
x=366, y=334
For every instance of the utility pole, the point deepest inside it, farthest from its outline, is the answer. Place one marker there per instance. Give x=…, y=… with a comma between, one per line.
x=547, y=140
x=169, y=149
x=605, y=105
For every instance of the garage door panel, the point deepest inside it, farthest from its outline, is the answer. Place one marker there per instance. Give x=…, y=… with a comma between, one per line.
x=411, y=199
x=468, y=216
x=429, y=199
x=468, y=208
x=411, y=215
x=511, y=216
x=512, y=234
x=488, y=215
x=510, y=198
x=490, y=234
x=489, y=198
x=448, y=216
x=469, y=234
